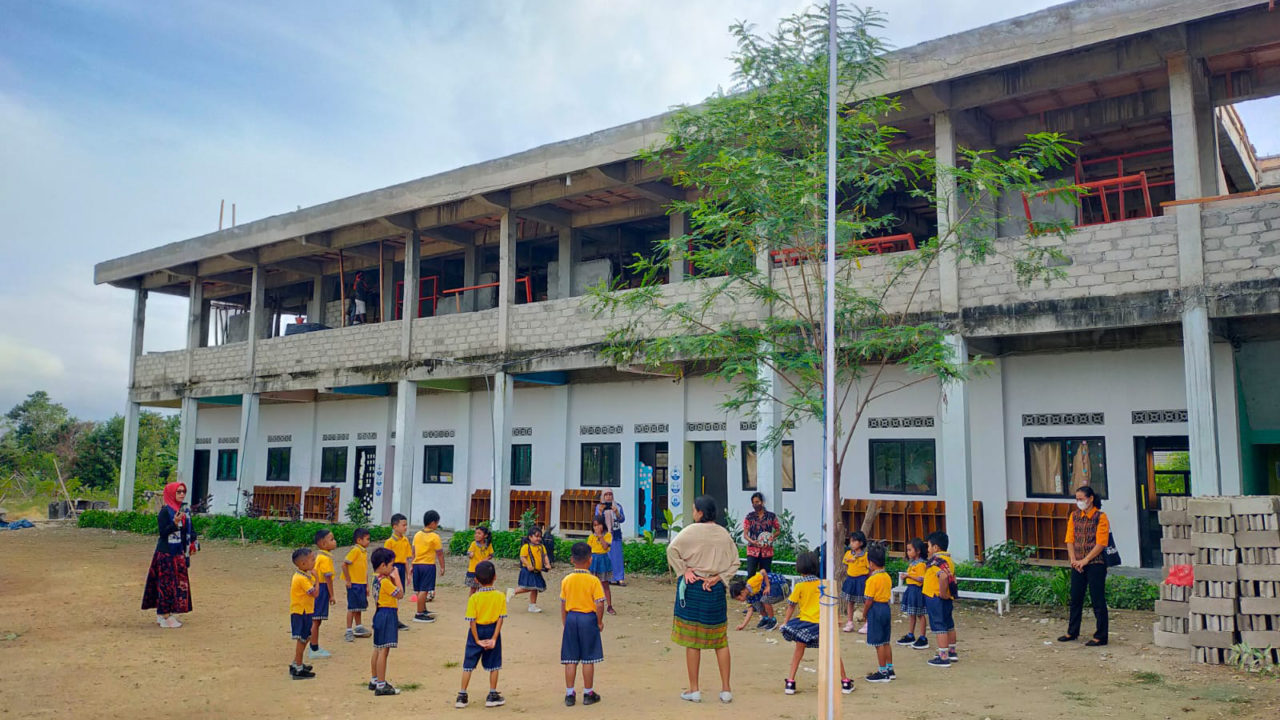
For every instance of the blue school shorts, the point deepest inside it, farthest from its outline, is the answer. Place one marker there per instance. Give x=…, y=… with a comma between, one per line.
x=404, y=581
x=357, y=598
x=581, y=640
x=939, y=610
x=878, y=624
x=386, y=628
x=322, y=602
x=491, y=660
x=424, y=578
x=300, y=626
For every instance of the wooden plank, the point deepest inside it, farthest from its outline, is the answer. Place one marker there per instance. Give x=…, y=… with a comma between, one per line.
x=1216, y=198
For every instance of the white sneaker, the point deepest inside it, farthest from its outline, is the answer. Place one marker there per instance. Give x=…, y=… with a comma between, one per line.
x=695, y=696
x=160, y=621
x=535, y=609
x=726, y=697
x=863, y=629
x=848, y=627
x=172, y=622
x=511, y=594
x=318, y=654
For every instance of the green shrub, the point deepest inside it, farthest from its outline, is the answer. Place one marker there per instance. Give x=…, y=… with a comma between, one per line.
x=228, y=527
x=1127, y=593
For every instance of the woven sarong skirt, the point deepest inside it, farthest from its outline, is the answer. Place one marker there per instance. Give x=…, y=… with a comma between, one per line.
x=701, y=617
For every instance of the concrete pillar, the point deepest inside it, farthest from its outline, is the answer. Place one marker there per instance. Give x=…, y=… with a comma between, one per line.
x=129, y=451
x=948, y=210
x=387, y=287
x=1202, y=425
x=195, y=322
x=560, y=403
x=1195, y=135
x=954, y=477
x=506, y=275
x=570, y=254
x=503, y=404
x=470, y=275
x=406, y=446
x=680, y=488
x=677, y=226
x=315, y=308
x=255, y=326
x=768, y=457
x=187, y=442
x=409, y=298
x=247, y=459
x=206, y=313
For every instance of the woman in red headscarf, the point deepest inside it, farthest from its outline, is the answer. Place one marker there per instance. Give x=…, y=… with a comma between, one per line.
x=168, y=590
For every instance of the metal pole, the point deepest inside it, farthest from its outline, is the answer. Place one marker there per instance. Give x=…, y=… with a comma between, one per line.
x=829, y=640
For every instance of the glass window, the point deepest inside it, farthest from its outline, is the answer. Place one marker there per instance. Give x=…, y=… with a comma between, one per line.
x=749, y=465
x=438, y=464
x=602, y=464
x=903, y=467
x=521, y=464
x=1172, y=471
x=278, y=464
x=1057, y=466
x=227, y=462
x=333, y=464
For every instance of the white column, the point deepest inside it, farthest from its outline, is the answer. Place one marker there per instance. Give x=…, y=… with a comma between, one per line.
x=406, y=446
x=187, y=440
x=677, y=226
x=680, y=488
x=506, y=275
x=247, y=459
x=560, y=398
x=954, y=478
x=503, y=399
x=315, y=309
x=768, y=458
x=387, y=287
x=409, y=308
x=129, y=451
x=948, y=210
x=1202, y=426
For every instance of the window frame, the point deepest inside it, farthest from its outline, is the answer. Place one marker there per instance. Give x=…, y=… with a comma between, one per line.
x=791, y=444
x=346, y=455
x=617, y=465
x=426, y=463
x=1095, y=441
x=902, y=470
x=234, y=453
x=527, y=480
x=288, y=463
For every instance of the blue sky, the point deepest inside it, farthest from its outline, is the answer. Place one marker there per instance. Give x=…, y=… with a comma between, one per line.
x=125, y=122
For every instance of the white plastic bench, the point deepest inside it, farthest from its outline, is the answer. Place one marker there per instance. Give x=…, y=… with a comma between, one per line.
x=1001, y=599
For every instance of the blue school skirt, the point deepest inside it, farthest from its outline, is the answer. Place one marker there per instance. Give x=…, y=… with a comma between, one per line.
x=878, y=624
x=580, y=642
x=530, y=580
x=913, y=601
x=491, y=660
x=601, y=566
x=424, y=578
x=852, y=589
x=386, y=628
x=797, y=630
x=300, y=626
x=322, y=602
x=357, y=598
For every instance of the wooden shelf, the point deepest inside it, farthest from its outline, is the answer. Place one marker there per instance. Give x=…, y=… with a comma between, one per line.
x=479, y=508
x=1042, y=524
x=321, y=503
x=576, y=510
x=522, y=500
x=275, y=501
x=901, y=520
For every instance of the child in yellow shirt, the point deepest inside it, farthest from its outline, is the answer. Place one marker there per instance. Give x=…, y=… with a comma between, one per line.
x=913, y=597
x=480, y=549
x=486, y=610
x=533, y=562
x=355, y=573
x=428, y=555
x=582, y=598
x=941, y=620
x=402, y=551
x=855, y=563
x=302, y=601
x=324, y=581
x=599, y=541
x=761, y=592
x=804, y=604
x=879, y=591
x=386, y=632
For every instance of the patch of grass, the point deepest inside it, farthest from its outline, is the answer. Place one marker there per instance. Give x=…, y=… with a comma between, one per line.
x=451, y=664
x=9, y=635
x=1080, y=697
x=409, y=686
x=1223, y=694
x=1142, y=677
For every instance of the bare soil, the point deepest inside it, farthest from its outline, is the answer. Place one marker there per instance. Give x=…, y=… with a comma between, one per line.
x=73, y=643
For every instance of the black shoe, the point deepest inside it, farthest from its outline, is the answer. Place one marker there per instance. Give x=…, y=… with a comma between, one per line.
x=569, y=700
x=387, y=689
x=307, y=667
x=424, y=617
x=1095, y=643
x=892, y=675
x=879, y=677
x=764, y=622
x=953, y=656
x=373, y=685
x=590, y=698
x=846, y=686
x=461, y=700
x=301, y=673
x=940, y=662
x=921, y=643
x=1068, y=638
x=773, y=623
x=907, y=639
x=494, y=699
x=789, y=687
x=401, y=626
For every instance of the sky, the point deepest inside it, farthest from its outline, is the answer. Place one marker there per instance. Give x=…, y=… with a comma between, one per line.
x=125, y=122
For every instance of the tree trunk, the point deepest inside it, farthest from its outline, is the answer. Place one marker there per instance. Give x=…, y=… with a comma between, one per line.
x=873, y=511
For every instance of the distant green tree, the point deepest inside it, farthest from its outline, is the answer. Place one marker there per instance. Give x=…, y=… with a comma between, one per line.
x=97, y=462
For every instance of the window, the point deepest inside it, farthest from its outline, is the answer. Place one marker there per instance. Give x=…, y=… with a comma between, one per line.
x=1057, y=466
x=521, y=464
x=903, y=467
x=227, y=462
x=1172, y=470
x=788, y=465
x=438, y=464
x=278, y=464
x=602, y=465
x=333, y=464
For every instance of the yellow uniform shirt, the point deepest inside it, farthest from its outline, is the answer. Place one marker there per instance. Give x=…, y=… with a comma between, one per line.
x=425, y=545
x=300, y=601
x=855, y=565
x=755, y=583
x=324, y=566
x=805, y=596
x=599, y=545
x=930, y=587
x=400, y=546
x=879, y=587
x=357, y=561
x=385, y=589
x=915, y=573
x=478, y=554
x=486, y=606
x=580, y=591
x=534, y=557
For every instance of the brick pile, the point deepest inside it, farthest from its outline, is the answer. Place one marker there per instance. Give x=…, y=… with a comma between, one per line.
x=1213, y=604
x=1173, y=612
x=1257, y=522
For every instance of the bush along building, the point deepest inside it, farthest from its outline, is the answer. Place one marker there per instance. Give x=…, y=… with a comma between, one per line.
x=450, y=359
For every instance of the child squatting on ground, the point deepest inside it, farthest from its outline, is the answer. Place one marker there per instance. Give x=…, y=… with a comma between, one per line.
x=480, y=549
x=879, y=592
x=533, y=562
x=355, y=573
x=428, y=555
x=302, y=601
x=939, y=593
x=913, y=597
x=402, y=550
x=324, y=582
x=582, y=598
x=486, y=610
x=388, y=590
x=804, y=602
x=761, y=592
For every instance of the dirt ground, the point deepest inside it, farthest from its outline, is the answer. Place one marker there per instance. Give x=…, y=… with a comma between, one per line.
x=73, y=643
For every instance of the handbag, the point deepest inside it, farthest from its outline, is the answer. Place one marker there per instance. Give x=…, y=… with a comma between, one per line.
x=1111, y=555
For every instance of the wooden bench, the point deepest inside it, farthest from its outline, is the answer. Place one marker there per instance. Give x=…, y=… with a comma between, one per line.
x=1001, y=599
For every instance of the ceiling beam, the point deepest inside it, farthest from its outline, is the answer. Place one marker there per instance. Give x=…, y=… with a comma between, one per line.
x=549, y=215
x=622, y=212
x=1088, y=118
x=498, y=200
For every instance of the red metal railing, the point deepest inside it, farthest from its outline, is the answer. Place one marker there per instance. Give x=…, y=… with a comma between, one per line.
x=457, y=292
x=879, y=245
x=422, y=295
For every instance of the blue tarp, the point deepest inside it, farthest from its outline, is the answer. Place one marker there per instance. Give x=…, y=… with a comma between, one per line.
x=16, y=525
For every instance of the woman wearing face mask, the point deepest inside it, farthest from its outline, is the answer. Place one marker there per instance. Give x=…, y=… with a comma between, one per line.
x=1087, y=533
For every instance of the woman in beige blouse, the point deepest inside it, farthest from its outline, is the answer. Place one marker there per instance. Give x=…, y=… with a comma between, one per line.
x=704, y=558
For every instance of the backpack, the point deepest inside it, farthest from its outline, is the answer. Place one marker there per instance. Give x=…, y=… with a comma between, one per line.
x=947, y=588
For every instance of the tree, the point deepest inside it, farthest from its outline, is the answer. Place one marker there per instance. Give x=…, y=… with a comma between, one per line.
x=97, y=463
x=754, y=162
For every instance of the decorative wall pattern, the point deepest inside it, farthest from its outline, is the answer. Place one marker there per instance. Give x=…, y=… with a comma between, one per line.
x=1145, y=417
x=918, y=421
x=1076, y=418
x=599, y=429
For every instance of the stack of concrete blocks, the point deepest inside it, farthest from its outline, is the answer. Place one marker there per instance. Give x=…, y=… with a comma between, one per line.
x=1214, y=600
x=1257, y=521
x=1172, y=627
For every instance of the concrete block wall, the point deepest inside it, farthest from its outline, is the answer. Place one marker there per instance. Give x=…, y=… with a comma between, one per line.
x=360, y=345
x=872, y=275
x=1116, y=259
x=224, y=362
x=1241, y=240
x=464, y=335
x=160, y=368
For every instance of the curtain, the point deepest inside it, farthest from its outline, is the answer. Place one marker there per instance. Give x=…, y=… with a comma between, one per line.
x=1046, y=468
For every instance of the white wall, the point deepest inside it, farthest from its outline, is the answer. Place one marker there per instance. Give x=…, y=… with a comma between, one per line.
x=214, y=423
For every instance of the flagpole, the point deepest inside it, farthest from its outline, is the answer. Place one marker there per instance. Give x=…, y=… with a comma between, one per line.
x=829, y=708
